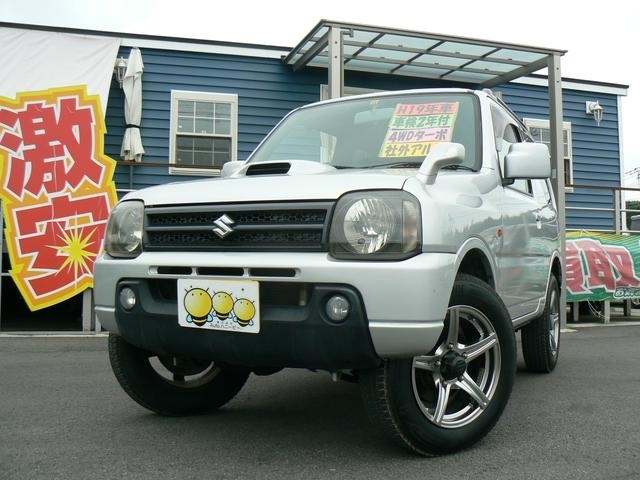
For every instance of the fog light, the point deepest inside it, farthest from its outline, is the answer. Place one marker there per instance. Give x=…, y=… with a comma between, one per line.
x=338, y=308
x=127, y=298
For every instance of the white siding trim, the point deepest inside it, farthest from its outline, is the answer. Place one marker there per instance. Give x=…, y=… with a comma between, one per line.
x=575, y=85
x=239, y=50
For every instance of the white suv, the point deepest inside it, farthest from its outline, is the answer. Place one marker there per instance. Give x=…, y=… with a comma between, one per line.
x=397, y=239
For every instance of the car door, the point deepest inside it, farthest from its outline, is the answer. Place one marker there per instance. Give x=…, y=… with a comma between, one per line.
x=518, y=259
x=519, y=279
x=546, y=231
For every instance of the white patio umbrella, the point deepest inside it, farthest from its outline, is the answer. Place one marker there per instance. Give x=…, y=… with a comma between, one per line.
x=132, y=149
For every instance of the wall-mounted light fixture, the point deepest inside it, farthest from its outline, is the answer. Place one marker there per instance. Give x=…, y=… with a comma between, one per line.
x=120, y=69
x=595, y=109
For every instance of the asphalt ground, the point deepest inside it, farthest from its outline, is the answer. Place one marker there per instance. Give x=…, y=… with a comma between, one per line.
x=63, y=416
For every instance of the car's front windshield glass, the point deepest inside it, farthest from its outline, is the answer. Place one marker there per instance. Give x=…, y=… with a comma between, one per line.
x=397, y=130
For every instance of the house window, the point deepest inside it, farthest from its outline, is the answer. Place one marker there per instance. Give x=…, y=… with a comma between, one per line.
x=204, y=130
x=541, y=132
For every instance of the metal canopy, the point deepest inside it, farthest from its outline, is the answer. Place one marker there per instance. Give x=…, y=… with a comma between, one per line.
x=426, y=55
x=341, y=46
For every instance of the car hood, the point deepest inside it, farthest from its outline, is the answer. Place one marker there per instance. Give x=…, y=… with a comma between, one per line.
x=312, y=183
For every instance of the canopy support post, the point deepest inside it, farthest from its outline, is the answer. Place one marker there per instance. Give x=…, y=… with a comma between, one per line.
x=557, y=166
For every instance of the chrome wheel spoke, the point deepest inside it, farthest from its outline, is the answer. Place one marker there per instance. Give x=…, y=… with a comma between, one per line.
x=467, y=384
x=454, y=326
x=443, y=392
x=553, y=333
x=479, y=348
x=554, y=323
x=425, y=362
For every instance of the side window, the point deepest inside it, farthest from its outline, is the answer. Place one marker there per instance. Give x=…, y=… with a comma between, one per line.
x=542, y=192
x=204, y=130
x=511, y=136
x=541, y=132
x=507, y=133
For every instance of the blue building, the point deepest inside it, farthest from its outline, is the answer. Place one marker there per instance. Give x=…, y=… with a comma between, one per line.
x=260, y=84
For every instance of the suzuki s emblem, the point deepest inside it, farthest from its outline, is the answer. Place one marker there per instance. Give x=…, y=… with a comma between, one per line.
x=223, y=226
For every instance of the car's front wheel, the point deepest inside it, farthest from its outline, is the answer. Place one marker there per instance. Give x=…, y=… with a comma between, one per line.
x=171, y=385
x=450, y=398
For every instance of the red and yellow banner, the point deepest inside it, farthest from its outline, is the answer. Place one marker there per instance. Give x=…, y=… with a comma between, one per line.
x=57, y=190
x=56, y=183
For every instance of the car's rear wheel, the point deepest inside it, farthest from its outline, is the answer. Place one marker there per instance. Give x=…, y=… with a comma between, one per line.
x=170, y=385
x=450, y=398
x=541, y=337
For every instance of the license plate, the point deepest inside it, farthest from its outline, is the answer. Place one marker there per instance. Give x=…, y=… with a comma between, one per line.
x=231, y=305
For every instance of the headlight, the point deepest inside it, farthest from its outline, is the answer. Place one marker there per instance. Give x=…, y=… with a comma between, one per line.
x=377, y=225
x=124, y=230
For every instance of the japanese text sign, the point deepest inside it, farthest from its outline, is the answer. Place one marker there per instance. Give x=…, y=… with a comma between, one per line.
x=602, y=266
x=413, y=128
x=57, y=190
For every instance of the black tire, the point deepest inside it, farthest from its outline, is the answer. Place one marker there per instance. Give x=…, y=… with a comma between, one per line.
x=541, y=337
x=452, y=397
x=170, y=385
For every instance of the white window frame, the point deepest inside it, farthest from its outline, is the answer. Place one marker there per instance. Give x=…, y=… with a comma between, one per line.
x=568, y=157
x=176, y=96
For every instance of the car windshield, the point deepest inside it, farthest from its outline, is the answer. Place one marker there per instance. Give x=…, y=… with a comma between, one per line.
x=373, y=132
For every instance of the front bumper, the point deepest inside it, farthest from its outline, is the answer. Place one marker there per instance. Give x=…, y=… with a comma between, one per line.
x=398, y=307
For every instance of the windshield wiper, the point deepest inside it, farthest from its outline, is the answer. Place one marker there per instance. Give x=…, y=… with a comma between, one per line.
x=398, y=165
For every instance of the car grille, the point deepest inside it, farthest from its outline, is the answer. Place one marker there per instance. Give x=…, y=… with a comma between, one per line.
x=299, y=226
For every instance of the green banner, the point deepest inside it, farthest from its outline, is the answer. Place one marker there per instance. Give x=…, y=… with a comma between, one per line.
x=602, y=266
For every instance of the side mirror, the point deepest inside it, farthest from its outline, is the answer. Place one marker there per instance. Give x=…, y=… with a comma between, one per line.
x=440, y=155
x=232, y=167
x=527, y=160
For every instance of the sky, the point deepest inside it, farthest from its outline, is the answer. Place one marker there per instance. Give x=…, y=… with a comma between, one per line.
x=600, y=40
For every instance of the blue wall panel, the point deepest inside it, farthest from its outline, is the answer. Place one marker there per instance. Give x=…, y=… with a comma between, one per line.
x=595, y=149
x=267, y=89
